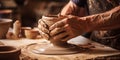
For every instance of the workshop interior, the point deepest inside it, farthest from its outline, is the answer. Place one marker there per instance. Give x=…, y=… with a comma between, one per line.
x=26, y=28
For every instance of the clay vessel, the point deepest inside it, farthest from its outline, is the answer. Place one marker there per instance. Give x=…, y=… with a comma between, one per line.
x=4, y=26
x=49, y=21
x=31, y=33
x=23, y=30
x=6, y=13
x=9, y=53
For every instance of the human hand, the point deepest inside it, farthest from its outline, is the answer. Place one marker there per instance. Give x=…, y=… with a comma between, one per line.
x=72, y=9
x=45, y=22
x=43, y=29
x=67, y=28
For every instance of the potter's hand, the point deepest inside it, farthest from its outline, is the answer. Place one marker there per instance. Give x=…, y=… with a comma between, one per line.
x=43, y=29
x=69, y=27
x=72, y=9
x=72, y=26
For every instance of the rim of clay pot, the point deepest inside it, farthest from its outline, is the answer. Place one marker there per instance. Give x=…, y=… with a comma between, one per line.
x=12, y=49
x=26, y=28
x=5, y=11
x=4, y=20
x=49, y=17
x=31, y=30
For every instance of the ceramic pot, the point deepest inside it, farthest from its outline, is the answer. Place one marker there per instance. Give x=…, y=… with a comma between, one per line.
x=49, y=21
x=9, y=53
x=31, y=33
x=23, y=30
x=4, y=26
x=6, y=13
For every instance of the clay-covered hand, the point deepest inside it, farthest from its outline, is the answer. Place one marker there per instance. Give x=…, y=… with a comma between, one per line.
x=69, y=27
x=43, y=29
x=72, y=9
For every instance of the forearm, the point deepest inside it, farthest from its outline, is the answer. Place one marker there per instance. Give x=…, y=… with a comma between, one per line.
x=104, y=21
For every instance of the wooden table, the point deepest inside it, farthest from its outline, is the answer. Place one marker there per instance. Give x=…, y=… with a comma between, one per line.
x=101, y=52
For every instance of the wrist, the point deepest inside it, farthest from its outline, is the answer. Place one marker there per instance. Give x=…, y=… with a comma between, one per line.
x=88, y=26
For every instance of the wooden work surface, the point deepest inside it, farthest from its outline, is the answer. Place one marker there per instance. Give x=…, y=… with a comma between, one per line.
x=97, y=52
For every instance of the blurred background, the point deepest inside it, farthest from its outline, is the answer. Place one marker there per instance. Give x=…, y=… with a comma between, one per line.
x=29, y=11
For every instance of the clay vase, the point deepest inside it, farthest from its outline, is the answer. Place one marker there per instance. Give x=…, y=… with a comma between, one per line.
x=9, y=53
x=49, y=21
x=4, y=26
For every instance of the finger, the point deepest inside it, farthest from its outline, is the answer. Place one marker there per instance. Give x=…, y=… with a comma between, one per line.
x=62, y=16
x=60, y=36
x=44, y=35
x=56, y=31
x=43, y=29
x=59, y=30
x=58, y=24
x=42, y=23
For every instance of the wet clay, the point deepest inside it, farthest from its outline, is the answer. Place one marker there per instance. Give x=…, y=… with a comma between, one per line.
x=49, y=49
x=49, y=21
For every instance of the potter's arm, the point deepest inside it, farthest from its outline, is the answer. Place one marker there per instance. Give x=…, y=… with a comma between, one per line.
x=104, y=21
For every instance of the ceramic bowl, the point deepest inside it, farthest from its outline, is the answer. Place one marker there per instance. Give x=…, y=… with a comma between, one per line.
x=31, y=33
x=9, y=53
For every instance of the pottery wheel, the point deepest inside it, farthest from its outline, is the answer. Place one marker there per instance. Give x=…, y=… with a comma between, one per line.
x=49, y=49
